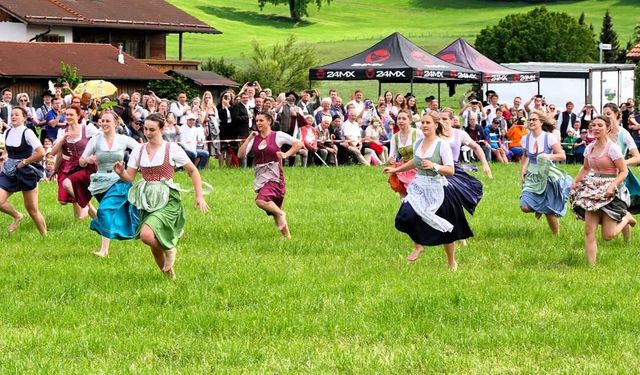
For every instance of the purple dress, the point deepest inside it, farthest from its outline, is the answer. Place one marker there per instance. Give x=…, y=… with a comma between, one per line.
x=268, y=180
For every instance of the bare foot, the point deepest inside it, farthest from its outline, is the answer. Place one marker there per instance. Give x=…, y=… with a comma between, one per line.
x=84, y=213
x=171, y=274
x=632, y=220
x=16, y=223
x=415, y=254
x=453, y=267
x=283, y=227
x=92, y=211
x=463, y=242
x=169, y=260
x=101, y=253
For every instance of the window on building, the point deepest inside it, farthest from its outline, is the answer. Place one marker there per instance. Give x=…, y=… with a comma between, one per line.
x=51, y=38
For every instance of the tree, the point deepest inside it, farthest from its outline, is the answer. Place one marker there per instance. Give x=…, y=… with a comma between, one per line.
x=297, y=8
x=609, y=36
x=538, y=35
x=281, y=67
x=70, y=75
x=170, y=88
x=220, y=66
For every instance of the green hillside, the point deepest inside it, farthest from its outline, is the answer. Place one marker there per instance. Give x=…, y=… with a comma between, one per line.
x=347, y=26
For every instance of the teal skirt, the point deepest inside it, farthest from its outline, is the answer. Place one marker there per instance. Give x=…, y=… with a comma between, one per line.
x=167, y=223
x=117, y=218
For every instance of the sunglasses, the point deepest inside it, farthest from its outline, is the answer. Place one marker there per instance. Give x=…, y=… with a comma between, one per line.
x=24, y=100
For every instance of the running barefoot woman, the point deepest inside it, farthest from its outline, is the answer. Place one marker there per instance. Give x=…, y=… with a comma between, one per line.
x=269, y=180
x=116, y=218
x=601, y=197
x=20, y=172
x=156, y=195
x=430, y=214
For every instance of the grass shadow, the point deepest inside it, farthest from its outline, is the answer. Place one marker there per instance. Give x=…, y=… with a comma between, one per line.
x=253, y=18
x=478, y=4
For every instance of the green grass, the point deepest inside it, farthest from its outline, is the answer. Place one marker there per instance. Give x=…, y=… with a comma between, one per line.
x=349, y=26
x=338, y=297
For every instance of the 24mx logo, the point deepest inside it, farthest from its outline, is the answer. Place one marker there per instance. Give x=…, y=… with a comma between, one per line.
x=341, y=74
x=527, y=77
x=432, y=74
x=390, y=74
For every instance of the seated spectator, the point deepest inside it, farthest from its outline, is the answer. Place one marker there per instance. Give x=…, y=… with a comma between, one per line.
x=325, y=141
x=514, y=135
x=309, y=136
x=353, y=141
x=374, y=134
x=190, y=137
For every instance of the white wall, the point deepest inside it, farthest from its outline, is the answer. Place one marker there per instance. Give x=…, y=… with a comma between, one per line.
x=19, y=32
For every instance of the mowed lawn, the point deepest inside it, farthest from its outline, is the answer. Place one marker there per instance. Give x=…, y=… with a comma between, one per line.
x=348, y=26
x=338, y=297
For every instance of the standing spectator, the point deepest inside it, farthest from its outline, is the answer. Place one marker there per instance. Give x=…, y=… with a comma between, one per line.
x=241, y=120
x=627, y=113
x=581, y=145
x=569, y=146
x=586, y=115
x=32, y=117
x=41, y=113
x=211, y=123
x=492, y=108
x=472, y=109
x=190, y=137
x=55, y=119
x=170, y=131
x=514, y=135
x=478, y=135
x=180, y=108
x=566, y=120
x=357, y=101
x=323, y=110
x=398, y=104
x=6, y=106
x=229, y=149
x=309, y=102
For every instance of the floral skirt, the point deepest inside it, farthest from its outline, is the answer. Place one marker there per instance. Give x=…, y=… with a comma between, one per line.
x=589, y=196
x=400, y=181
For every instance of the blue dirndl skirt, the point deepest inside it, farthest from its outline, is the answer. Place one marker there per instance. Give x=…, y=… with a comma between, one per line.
x=117, y=219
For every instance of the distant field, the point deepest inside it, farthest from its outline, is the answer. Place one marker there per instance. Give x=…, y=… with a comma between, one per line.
x=348, y=26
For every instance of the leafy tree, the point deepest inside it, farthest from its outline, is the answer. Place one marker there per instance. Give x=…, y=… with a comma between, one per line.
x=170, y=88
x=297, y=8
x=538, y=35
x=281, y=67
x=609, y=36
x=70, y=75
x=220, y=66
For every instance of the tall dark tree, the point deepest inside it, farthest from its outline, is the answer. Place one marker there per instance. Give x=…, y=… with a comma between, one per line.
x=609, y=36
x=297, y=8
x=540, y=35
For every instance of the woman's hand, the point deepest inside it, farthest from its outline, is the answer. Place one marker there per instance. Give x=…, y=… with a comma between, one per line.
x=202, y=205
x=252, y=135
x=389, y=170
x=487, y=171
x=611, y=191
x=118, y=167
x=281, y=155
x=522, y=176
x=427, y=164
x=91, y=159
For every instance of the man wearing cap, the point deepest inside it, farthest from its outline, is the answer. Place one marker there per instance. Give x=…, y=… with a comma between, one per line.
x=190, y=137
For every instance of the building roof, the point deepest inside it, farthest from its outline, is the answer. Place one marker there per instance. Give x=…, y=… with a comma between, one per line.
x=205, y=78
x=156, y=15
x=93, y=61
x=634, y=53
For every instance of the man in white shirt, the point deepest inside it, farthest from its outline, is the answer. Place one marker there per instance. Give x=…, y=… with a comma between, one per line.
x=190, y=137
x=357, y=102
x=180, y=108
x=353, y=135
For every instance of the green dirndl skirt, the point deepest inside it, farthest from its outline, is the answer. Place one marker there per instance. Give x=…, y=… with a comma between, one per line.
x=167, y=223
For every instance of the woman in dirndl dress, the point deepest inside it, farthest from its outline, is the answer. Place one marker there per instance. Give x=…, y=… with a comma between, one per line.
x=467, y=187
x=545, y=188
x=430, y=213
x=73, y=180
x=22, y=171
x=401, y=152
x=269, y=181
x=116, y=218
x=624, y=140
x=601, y=197
x=156, y=195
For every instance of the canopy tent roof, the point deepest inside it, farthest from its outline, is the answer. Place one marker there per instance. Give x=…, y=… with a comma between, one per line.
x=394, y=59
x=463, y=54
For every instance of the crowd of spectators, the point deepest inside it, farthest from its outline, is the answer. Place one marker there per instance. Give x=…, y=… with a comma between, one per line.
x=336, y=129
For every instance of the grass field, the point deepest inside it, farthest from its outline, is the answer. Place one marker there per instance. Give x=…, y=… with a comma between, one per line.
x=338, y=297
x=348, y=26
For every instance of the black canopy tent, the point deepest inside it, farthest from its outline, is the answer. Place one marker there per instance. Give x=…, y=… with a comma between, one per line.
x=465, y=55
x=394, y=59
